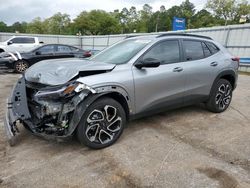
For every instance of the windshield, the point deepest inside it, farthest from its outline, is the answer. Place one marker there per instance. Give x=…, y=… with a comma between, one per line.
x=121, y=52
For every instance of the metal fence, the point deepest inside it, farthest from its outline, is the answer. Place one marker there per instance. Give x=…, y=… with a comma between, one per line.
x=234, y=37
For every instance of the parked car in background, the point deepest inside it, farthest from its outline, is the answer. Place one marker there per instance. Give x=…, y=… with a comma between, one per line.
x=21, y=61
x=19, y=43
x=93, y=99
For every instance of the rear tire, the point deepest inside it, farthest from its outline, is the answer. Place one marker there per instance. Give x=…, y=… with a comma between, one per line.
x=220, y=96
x=20, y=66
x=102, y=123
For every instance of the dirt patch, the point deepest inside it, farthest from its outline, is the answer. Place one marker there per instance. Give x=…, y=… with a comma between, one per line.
x=225, y=180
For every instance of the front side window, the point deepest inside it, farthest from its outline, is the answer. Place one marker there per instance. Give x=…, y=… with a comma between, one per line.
x=23, y=40
x=193, y=50
x=122, y=52
x=49, y=49
x=166, y=52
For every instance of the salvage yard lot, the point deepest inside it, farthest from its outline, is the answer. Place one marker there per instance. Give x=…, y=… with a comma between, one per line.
x=188, y=147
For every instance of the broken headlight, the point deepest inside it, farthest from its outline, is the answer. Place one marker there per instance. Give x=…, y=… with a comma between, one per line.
x=62, y=92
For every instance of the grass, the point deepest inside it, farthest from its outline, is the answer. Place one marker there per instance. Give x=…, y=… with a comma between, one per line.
x=244, y=73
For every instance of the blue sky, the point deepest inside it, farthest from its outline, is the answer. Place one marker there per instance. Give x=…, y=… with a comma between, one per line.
x=26, y=10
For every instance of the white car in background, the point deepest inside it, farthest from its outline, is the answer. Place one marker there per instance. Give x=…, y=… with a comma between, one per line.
x=19, y=43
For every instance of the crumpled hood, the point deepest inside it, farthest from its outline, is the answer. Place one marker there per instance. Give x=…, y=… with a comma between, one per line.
x=60, y=71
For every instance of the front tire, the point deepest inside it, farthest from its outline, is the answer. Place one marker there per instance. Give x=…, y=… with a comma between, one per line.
x=20, y=66
x=102, y=123
x=220, y=96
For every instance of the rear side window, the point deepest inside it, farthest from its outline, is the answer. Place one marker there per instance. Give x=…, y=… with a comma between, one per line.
x=213, y=48
x=61, y=48
x=167, y=52
x=74, y=49
x=193, y=50
x=23, y=40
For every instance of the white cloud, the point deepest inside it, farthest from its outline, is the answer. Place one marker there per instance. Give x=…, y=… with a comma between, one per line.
x=26, y=10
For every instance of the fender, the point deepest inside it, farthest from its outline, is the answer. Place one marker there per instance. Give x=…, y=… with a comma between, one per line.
x=82, y=107
x=225, y=73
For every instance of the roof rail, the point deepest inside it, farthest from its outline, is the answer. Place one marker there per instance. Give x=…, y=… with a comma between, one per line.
x=131, y=36
x=183, y=34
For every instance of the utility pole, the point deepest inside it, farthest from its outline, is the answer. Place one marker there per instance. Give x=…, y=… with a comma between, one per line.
x=157, y=22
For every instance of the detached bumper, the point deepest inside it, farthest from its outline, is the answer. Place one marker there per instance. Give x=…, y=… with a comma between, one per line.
x=6, y=63
x=17, y=110
x=10, y=128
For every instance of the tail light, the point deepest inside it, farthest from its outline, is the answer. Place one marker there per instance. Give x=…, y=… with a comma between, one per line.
x=236, y=59
x=87, y=53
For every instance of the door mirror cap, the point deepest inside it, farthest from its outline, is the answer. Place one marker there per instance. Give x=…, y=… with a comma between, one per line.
x=38, y=53
x=148, y=63
x=9, y=42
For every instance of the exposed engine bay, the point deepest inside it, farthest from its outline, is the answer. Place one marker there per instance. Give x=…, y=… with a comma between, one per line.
x=52, y=108
x=44, y=109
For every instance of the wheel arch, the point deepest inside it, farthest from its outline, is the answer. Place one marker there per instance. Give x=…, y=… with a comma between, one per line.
x=120, y=99
x=228, y=75
x=114, y=92
x=1, y=50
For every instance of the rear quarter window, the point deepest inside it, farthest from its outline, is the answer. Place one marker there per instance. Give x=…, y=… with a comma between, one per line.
x=213, y=48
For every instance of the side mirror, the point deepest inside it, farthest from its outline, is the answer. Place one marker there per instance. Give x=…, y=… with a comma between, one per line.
x=38, y=53
x=9, y=42
x=148, y=63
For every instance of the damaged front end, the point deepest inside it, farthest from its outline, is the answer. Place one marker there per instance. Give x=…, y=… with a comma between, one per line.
x=47, y=111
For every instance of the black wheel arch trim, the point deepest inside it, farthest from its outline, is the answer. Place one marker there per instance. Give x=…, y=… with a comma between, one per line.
x=82, y=107
x=226, y=73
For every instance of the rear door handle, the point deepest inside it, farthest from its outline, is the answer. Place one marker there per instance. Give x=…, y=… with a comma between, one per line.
x=177, y=69
x=213, y=64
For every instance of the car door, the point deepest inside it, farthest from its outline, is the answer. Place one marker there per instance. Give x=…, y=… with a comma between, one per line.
x=161, y=86
x=63, y=51
x=14, y=44
x=201, y=67
x=28, y=43
x=43, y=53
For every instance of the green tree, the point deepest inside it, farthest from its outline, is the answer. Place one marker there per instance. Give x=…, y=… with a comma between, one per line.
x=145, y=15
x=96, y=22
x=18, y=27
x=57, y=24
x=229, y=10
x=187, y=11
x=133, y=19
x=242, y=9
x=203, y=18
x=124, y=20
x=36, y=26
x=3, y=27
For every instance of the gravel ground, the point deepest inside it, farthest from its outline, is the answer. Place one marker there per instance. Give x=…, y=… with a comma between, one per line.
x=188, y=147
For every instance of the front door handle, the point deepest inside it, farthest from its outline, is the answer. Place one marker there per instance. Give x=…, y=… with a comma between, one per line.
x=177, y=69
x=214, y=64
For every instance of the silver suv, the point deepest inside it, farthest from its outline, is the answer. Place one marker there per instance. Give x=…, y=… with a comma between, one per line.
x=93, y=99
